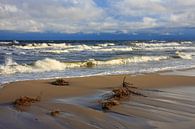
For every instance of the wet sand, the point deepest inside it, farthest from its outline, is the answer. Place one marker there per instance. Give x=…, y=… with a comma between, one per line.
x=170, y=104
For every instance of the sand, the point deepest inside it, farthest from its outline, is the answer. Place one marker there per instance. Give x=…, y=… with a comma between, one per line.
x=170, y=103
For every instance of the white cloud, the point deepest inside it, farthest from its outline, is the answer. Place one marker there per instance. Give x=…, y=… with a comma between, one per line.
x=149, y=22
x=72, y=16
x=8, y=8
x=184, y=19
x=138, y=7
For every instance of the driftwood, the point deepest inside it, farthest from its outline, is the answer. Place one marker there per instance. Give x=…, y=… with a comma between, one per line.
x=60, y=82
x=119, y=94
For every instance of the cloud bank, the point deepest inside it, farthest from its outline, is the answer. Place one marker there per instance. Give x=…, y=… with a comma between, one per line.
x=94, y=16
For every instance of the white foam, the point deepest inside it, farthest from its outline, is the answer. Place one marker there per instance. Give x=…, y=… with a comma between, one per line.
x=9, y=61
x=55, y=51
x=169, y=48
x=78, y=48
x=5, y=43
x=164, y=46
x=186, y=42
x=183, y=55
x=113, y=49
x=43, y=45
x=157, y=44
x=107, y=47
x=106, y=44
x=130, y=60
x=48, y=64
x=44, y=65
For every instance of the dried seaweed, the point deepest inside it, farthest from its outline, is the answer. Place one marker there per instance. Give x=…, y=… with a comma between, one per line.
x=60, y=82
x=107, y=104
x=25, y=101
x=54, y=113
x=119, y=94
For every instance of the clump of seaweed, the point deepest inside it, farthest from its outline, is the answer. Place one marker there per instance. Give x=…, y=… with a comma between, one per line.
x=119, y=94
x=25, y=101
x=60, y=82
x=107, y=104
x=54, y=113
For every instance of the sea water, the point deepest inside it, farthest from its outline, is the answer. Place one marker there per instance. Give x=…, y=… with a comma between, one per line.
x=29, y=60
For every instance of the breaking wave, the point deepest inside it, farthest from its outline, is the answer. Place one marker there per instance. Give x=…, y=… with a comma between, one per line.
x=65, y=48
x=61, y=46
x=47, y=64
x=93, y=49
x=164, y=46
x=106, y=44
x=43, y=45
x=58, y=48
x=157, y=44
x=183, y=55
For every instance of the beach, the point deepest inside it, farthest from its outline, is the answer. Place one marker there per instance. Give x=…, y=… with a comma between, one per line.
x=92, y=64
x=169, y=103
x=159, y=74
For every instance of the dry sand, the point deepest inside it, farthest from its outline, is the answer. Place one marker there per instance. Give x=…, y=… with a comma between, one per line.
x=170, y=104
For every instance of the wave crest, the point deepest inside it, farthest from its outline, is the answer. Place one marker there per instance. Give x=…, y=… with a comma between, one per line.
x=48, y=64
x=42, y=45
x=183, y=55
x=157, y=44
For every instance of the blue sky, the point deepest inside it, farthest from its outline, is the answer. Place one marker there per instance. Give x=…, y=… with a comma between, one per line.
x=87, y=17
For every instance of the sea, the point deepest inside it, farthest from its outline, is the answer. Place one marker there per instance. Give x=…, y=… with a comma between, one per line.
x=32, y=60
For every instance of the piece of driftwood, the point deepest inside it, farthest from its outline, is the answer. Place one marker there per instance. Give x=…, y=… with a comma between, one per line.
x=119, y=94
x=60, y=82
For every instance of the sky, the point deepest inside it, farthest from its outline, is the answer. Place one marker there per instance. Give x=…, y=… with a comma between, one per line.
x=96, y=17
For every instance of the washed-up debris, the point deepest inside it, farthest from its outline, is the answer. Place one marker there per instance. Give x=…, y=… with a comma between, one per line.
x=60, y=82
x=26, y=101
x=54, y=113
x=119, y=94
x=107, y=104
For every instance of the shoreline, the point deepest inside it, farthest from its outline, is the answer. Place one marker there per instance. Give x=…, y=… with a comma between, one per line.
x=163, y=72
x=92, y=83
